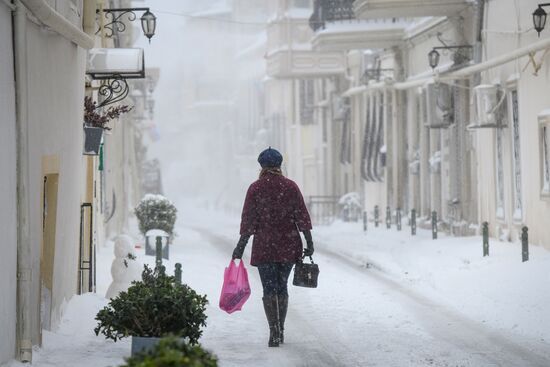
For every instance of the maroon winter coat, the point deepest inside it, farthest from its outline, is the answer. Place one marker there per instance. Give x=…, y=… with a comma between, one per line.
x=274, y=212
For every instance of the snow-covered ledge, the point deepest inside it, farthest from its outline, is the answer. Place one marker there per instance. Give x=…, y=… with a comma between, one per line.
x=407, y=8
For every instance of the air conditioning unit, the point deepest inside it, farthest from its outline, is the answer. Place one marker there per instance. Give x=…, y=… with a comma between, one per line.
x=440, y=105
x=490, y=105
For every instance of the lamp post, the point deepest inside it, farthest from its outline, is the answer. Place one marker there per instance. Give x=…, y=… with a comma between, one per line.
x=539, y=18
x=434, y=55
x=148, y=21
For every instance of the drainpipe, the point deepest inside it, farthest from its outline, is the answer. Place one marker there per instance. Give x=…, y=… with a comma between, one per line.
x=88, y=18
x=478, y=43
x=51, y=18
x=24, y=263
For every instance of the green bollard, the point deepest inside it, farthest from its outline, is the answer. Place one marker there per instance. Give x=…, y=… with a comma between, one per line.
x=398, y=218
x=413, y=222
x=524, y=244
x=365, y=221
x=434, y=225
x=485, y=239
x=388, y=217
x=376, y=215
x=158, y=252
x=177, y=273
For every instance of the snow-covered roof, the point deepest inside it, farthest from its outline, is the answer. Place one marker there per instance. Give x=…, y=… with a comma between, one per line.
x=360, y=25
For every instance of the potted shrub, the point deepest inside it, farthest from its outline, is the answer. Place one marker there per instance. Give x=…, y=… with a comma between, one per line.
x=155, y=212
x=152, y=308
x=171, y=352
x=96, y=122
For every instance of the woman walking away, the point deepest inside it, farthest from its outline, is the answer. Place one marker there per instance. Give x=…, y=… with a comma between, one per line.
x=274, y=213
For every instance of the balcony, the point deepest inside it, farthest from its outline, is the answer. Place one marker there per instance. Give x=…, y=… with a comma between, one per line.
x=291, y=63
x=337, y=29
x=289, y=53
x=368, y=9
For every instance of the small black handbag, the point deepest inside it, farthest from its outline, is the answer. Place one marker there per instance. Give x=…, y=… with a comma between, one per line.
x=305, y=275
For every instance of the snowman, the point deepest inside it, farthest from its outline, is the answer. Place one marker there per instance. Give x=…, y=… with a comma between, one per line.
x=125, y=267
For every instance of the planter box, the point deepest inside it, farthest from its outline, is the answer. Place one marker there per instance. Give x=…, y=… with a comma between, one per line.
x=92, y=140
x=145, y=344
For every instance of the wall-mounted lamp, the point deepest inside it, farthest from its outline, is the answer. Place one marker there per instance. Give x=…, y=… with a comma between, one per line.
x=148, y=21
x=539, y=18
x=434, y=55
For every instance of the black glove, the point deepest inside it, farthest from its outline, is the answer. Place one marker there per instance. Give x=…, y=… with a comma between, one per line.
x=239, y=249
x=308, y=251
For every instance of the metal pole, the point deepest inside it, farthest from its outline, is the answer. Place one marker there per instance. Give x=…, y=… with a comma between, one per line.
x=365, y=221
x=158, y=252
x=413, y=222
x=434, y=225
x=388, y=217
x=524, y=244
x=177, y=273
x=485, y=239
x=398, y=218
x=376, y=215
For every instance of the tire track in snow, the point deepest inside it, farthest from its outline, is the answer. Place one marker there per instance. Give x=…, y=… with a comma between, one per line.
x=496, y=349
x=448, y=328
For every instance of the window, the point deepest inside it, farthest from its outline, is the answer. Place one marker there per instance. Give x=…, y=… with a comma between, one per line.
x=306, y=101
x=499, y=176
x=345, y=143
x=544, y=133
x=516, y=157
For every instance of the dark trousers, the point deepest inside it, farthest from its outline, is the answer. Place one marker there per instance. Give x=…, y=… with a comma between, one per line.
x=274, y=278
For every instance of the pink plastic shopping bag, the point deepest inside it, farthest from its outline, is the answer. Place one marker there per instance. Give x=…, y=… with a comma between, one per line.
x=235, y=290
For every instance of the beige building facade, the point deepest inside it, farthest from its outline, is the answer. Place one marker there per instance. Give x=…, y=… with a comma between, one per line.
x=52, y=216
x=466, y=139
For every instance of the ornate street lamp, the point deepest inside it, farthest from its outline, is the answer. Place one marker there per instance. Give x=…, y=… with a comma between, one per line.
x=148, y=21
x=539, y=18
x=148, y=24
x=434, y=55
x=433, y=58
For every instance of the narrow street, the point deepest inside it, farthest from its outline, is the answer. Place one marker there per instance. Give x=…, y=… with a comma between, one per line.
x=358, y=317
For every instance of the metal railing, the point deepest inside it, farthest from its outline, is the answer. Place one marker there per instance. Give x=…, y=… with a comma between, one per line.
x=322, y=209
x=329, y=11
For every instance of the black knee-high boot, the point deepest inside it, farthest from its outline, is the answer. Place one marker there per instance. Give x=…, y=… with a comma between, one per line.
x=271, y=308
x=283, y=307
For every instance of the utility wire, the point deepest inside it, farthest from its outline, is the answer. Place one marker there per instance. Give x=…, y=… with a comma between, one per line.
x=186, y=15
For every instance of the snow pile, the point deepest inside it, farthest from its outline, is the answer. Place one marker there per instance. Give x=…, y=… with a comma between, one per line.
x=74, y=343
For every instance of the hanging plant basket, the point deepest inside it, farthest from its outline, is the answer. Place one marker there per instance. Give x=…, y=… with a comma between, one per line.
x=92, y=140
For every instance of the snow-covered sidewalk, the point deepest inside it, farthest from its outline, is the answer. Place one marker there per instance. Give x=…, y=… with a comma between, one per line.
x=499, y=290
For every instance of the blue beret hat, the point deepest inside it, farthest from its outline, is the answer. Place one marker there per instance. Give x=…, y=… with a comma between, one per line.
x=270, y=158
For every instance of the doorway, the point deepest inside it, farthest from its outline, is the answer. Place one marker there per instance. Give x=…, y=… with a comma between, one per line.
x=49, y=216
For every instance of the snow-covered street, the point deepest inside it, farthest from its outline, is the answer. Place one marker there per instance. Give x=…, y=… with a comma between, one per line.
x=358, y=316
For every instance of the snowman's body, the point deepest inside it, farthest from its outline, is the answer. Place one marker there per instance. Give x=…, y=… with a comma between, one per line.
x=125, y=267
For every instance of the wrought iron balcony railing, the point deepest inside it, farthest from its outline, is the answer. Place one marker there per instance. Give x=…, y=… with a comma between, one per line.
x=330, y=11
